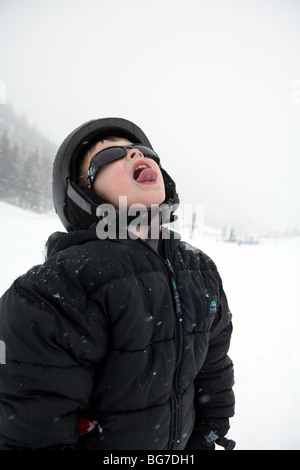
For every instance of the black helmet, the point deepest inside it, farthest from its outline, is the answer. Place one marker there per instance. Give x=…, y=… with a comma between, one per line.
x=76, y=205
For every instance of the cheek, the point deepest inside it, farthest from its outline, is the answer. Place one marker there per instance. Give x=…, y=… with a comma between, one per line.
x=110, y=183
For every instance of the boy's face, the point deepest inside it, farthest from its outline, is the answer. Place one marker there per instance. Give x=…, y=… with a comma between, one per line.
x=119, y=178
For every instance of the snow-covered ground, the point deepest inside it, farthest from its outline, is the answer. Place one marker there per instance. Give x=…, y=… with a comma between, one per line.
x=262, y=286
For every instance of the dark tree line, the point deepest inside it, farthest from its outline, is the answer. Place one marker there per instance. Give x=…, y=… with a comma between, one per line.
x=26, y=159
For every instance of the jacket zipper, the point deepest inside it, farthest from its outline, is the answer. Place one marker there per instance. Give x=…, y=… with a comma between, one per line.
x=175, y=398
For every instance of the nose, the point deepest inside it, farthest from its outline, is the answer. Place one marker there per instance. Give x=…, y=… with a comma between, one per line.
x=132, y=153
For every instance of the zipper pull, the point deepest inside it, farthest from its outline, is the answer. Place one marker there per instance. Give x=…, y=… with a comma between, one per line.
x=170, y=267
x=174, y=285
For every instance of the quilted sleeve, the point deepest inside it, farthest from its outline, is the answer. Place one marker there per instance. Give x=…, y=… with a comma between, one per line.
x=52, y=341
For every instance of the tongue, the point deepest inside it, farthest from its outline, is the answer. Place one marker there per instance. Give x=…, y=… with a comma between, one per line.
x=146, y=175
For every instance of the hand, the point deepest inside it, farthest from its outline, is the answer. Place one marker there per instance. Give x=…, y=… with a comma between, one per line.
x=228, y=444
x=210, y=432
x=212, y=438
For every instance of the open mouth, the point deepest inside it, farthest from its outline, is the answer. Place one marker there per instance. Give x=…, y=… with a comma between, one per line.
x=144, y=173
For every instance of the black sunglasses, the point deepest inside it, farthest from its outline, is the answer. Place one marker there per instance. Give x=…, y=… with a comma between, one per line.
x=111, y=154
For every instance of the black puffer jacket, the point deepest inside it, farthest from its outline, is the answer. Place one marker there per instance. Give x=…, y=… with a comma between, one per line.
x=113, y=332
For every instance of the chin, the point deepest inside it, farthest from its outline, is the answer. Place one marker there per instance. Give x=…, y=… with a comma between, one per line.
x=152, y=199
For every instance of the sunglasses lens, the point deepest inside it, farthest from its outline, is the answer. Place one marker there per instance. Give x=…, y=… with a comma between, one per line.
x=103, y=157
x=110, y=155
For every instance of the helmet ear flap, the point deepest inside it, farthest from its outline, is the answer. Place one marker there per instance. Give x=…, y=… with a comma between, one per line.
x=82, y=206
x=172, y=198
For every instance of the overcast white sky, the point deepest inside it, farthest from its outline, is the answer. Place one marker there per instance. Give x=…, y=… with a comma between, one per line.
x=215, y=84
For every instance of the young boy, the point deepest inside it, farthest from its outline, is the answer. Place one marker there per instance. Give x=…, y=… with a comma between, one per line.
x=115, y=342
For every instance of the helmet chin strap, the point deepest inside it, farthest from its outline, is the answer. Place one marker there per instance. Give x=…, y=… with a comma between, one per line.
x=82, y=200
